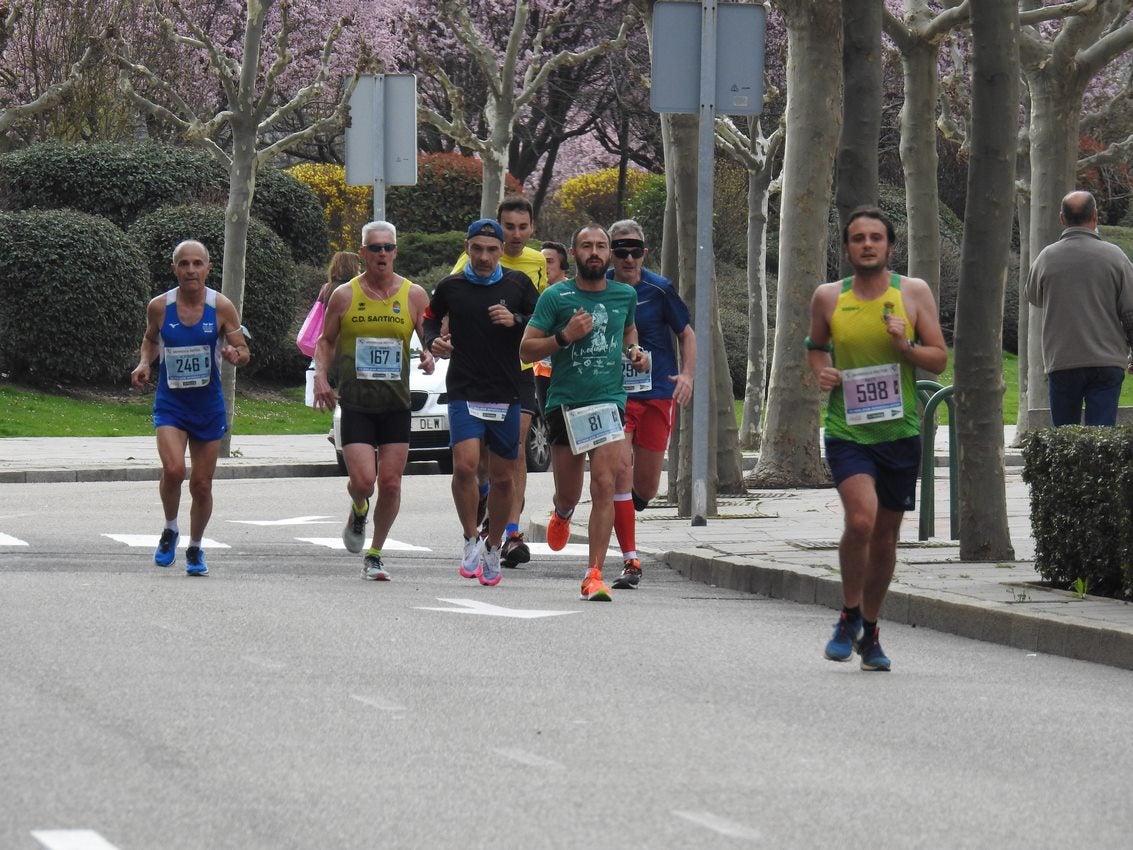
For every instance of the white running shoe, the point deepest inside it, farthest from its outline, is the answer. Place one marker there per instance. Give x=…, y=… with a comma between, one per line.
x=490, y=567
x=471, y=563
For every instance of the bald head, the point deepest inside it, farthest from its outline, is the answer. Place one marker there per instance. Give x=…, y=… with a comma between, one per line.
x=1079, y=209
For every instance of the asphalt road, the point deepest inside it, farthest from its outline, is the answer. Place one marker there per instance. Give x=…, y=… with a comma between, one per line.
x=282, y=702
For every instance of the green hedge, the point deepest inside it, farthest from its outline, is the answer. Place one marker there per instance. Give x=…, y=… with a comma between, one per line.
x=271, y=283
x=73, y=290
x=122, y=182
x=418, y=253
x=119, y=182
x=446, y=197
x=1081, y=482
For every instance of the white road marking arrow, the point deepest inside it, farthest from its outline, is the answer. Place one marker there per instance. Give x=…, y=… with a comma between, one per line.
x=71, y=839
x=485, y=609
x=150, y=541
x=8, y=540
x=295, y=520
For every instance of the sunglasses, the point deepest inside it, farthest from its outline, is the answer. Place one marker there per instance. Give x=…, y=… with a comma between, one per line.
x=622, y=253
x=379, y=247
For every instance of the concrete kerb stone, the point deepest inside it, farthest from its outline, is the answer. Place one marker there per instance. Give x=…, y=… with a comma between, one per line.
x=93, y=474
x=1003, y=623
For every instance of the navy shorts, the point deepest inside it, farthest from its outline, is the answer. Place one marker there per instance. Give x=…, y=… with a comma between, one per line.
x=375, y=429
x=893, y=465
x=501, y=438
x=204, y=427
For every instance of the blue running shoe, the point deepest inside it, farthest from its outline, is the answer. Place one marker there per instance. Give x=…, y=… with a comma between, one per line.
x=847, y=633
x=166, y=548
x=873, y=657
x=195, y=562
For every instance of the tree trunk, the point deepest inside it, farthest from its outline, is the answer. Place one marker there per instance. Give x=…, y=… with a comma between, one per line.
x=241, y=188
x=681, y=172
x=790, y=451
x=757, y=197
x=1023, y=422
x=495, y=161
x=670, y=268
x=861, y=109
x=919, y=161
x=984, y=534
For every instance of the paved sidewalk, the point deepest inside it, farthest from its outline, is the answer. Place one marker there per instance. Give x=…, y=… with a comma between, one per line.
x=780, y=543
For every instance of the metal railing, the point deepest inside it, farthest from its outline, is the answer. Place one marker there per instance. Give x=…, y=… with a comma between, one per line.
x=930, y=394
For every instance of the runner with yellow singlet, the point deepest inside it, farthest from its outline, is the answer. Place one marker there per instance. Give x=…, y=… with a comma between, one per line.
x=366, y=332
x=882, y=404
x=868, y=335
x=516, y=217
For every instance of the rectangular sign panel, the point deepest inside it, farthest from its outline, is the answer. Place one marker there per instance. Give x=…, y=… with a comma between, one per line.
x=383, y=109
x=741, y=30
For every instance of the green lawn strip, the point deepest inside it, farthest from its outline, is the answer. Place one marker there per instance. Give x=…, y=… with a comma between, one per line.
x=30, y=413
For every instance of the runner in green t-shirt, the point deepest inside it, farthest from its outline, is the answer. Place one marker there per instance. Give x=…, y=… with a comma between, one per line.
x=584, y=325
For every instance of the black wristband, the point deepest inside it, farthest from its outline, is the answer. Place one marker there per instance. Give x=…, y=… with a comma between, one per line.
x=561, y=339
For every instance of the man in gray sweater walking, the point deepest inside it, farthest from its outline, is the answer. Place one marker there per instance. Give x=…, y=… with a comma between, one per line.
x=1085, y=287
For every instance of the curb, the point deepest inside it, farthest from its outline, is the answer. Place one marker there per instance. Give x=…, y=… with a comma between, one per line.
x=152, y=472
x=992, y=622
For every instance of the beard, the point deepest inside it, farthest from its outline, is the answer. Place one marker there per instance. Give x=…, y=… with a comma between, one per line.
x=591, y=272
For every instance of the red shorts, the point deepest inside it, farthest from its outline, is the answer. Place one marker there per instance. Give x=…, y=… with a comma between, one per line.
x=649, y=422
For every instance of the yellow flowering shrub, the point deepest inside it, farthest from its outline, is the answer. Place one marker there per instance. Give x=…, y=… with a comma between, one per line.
x=346, y=208
x=595, y=195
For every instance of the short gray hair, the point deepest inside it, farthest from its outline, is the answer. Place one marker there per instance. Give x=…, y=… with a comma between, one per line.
x=378, y=225
x=185, y=242
x=626, y=225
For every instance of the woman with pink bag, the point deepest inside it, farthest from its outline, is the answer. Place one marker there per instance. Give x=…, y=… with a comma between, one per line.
x=343, y=268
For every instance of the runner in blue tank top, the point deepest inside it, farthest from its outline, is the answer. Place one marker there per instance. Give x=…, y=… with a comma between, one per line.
x=188, y=329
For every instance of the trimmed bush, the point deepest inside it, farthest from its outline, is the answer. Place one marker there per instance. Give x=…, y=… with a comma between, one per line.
x=73, y=290
x=1081, y=482
x=446, y=197
x=122, y=182
x=116, y=181
x=290, y=208
x=271, y=284
x=419, y=252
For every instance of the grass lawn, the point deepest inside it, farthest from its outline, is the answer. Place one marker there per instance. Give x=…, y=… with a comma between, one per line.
x=27, y=413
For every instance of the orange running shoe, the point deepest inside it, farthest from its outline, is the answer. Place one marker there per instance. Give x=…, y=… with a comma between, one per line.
x=593, y=588
x=558, y=531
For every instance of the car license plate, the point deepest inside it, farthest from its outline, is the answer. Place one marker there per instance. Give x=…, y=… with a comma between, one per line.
x=428, y=423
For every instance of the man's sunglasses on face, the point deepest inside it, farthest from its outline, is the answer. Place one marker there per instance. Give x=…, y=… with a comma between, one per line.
x=622, y=253
x=379, y=247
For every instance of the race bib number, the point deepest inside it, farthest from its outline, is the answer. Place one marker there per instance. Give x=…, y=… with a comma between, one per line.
x=188, y=366
x=873, y=394
x=489, y=412
x=377, y=359
x=592, y=426
x=634, y=381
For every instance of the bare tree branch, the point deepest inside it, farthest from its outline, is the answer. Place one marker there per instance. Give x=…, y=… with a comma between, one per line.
x=54, y=94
